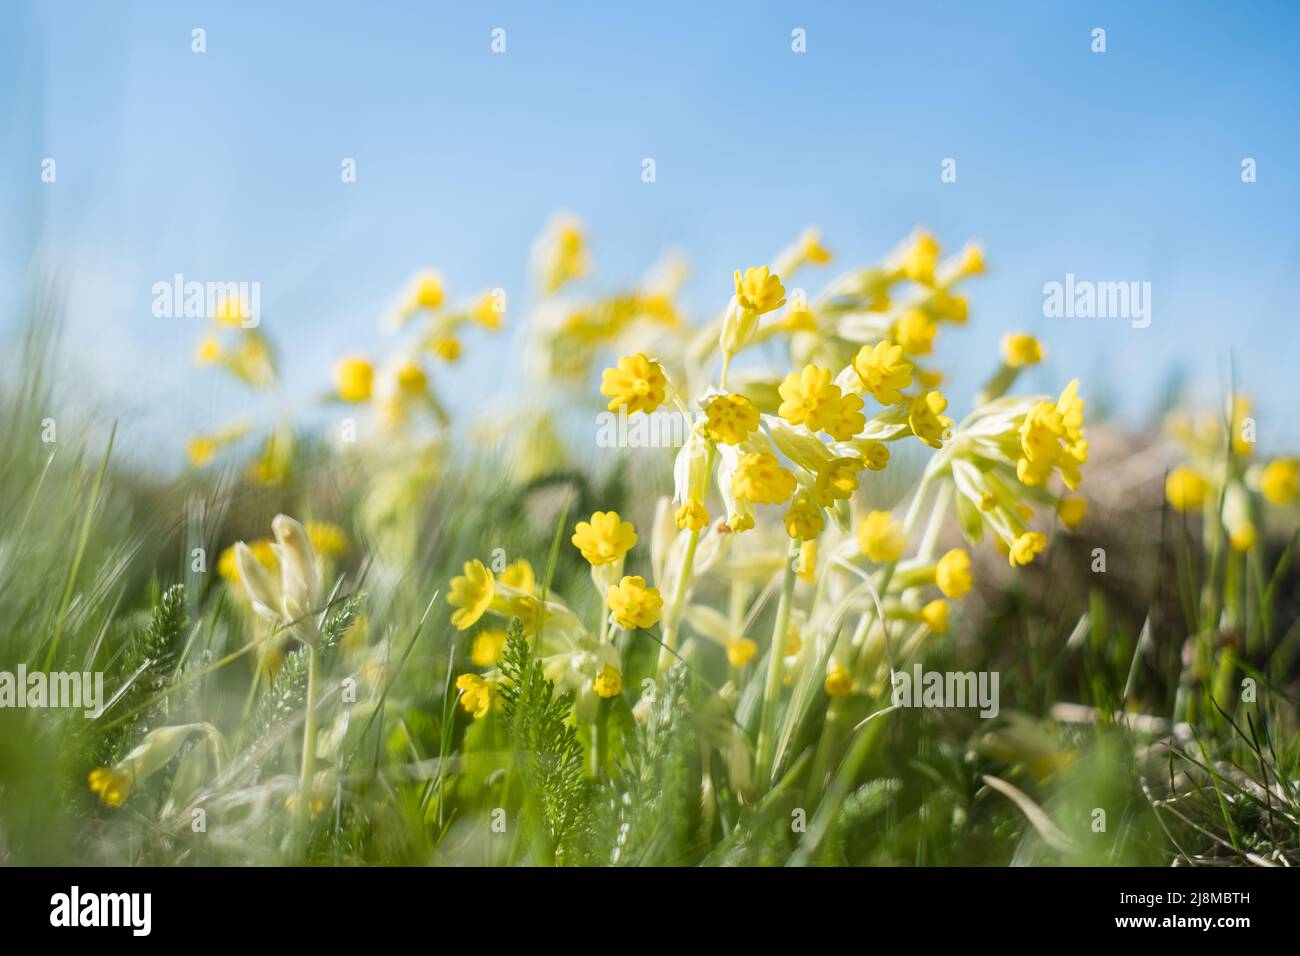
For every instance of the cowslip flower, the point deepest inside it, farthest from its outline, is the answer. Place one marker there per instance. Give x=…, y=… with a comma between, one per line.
x=880, y=537
x=952, y=574
x=837, y=479
x=519, y=575
x=875, y=454
x=475, y=694
x=113, y=784
x=1280, y=481
x=730, y=418
x=632, y=605
x=608, y=683
x=920, y=258
x=605, y=539
x=844, y=418
x=809, y=398
x=1020, y=349
x=926, y=419
x=489, y=310
x=354, y=378
x=691, y=516
x=740, y=651
x=759, y=291
x=636, y=384
x=839, y=682
x=883, y=371
x=1072, y=511
x=935, y=616
x=915, y=332
x=1185, y=489
x=804, y=521
x=471, y=594
x=761, y=479
x=487, y=648
x=290, y=600
x=1024, y=548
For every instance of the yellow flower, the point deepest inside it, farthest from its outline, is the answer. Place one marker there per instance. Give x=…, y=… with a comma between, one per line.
x=972, y=261
x=472, y=593
x=426, y=291
x=692, y=515
x=633, y=604
x=807, y=569
x=520, y=576
x=636, y=384
x=926, y=419
x=880, y=537
x=809, y=398
x=839, y=682
x=1280, y=482
x=609, y=682
x=488, y=310
x=844, y=419
x=1185, y=489
x=739, y=522
x=876, y=455
x=200, y=450
x=446, y=347
x=804, y=521
x=730, y=418
x=837, y=479
x=231, y=311
x=920, y=259
x=740, y=651
x=329, y=540
x=475, y=694
x=1020, y=349
x=412, y=381
x=915, y=332
x=760, y=478
x=111, y=784
x=209, y=351
x=354, y=378
x=935, y=616
x=604, y=539
x=799, y=318
x=1025, y=547
x=952, y=574
x=1051, y=435
x=952, y=308
x=1242, y=537
x=811, y=248
x=487, y=647
x=1072, y=511
x=758, y=291
x=883, y=371
x=565, y=258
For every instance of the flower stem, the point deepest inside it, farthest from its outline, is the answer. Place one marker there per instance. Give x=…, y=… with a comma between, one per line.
x=308, y=745
x=772, y=689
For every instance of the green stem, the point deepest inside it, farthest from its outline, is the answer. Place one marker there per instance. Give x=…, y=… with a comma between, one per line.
x=308, y=744
x=775, y=658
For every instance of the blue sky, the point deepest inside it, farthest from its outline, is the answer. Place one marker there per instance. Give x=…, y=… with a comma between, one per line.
x=1116, y=166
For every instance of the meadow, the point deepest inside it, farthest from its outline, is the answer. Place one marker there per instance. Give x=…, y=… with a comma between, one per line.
x=377, y=642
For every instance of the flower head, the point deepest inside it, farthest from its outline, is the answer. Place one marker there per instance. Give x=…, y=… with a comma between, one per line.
x=475, y=694
x=1280, y=482
x=809, y=398
x=1185, y=489
x=883, y=371
x=1025, y=547
x=111, y=784
x=839, y=682
x=926, y=419
x=471, y=593
x=837, y=479
x=632, y=604
x=609, y=682
x=487, y=647
x=880, y=537
x=354, y=378
x=730, y=418
x=759, y=291
x=740, y=651
x=636, y=384
x=760, y=478
x=1020, y=349
x=804, y=521
x=935, y=616
x=1072, y=511
x=692, y=515
x=952, y=574
x=915, y=332
x=604, y=539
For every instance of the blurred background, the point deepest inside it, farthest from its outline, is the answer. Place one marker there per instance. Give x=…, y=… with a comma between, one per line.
x=1115, y=166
